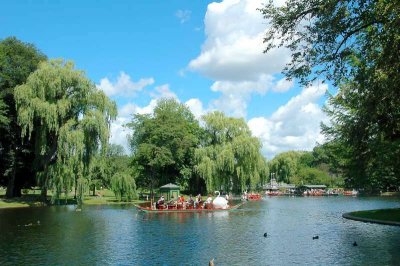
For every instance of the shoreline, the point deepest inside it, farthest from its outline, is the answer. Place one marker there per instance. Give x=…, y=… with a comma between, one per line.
x=18, y=203
x=382, y=213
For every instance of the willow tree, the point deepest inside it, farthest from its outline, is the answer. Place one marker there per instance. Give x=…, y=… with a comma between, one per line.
x=123, y=185
x=285, y=165
x=230, y=157
x=71, y=120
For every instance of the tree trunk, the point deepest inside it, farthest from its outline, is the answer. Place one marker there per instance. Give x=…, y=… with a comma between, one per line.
x=76, y=184
x=94, y=190
x=13, y=187
x=43, y=194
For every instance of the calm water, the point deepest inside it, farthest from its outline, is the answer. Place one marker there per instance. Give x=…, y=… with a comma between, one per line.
x=110, y=235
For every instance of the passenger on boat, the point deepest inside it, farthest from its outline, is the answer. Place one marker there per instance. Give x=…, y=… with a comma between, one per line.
x=208, y=202
x=245, y=196
x=190, y=201
x=181, y=202
x=180, y=199
x=197, y=201
x=160, y=202
x=172, y=202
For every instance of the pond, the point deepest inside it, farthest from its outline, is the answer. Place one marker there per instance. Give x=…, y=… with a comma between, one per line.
x=120, y=235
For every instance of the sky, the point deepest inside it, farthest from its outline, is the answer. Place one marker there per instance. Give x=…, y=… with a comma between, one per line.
x=205, y=54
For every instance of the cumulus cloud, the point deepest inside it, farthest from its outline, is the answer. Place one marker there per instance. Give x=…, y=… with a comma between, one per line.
x=232, y=55
x=294, y=126
x=283, y=85
x=196, y=107
x=123, y=86
x=163, y=91
x=183, y=15
x=119, y=131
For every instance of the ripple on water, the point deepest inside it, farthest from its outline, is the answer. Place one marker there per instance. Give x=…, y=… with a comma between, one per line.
x=119, y=235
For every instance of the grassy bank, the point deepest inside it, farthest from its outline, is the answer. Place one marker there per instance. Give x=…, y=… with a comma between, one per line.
x=381, y=216
x=31, y=198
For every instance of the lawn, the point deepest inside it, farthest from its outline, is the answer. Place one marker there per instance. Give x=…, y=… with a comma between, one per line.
x=381, y=214
x=31, y=198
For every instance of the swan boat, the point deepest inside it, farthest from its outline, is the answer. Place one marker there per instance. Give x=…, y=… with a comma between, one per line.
x=218, y=204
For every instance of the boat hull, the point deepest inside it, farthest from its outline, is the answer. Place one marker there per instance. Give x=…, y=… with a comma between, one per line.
x=148, y=209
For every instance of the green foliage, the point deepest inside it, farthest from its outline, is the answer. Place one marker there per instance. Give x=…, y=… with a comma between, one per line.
x=308, y=175
x=163, y=145
x=3, y=114
x=103, y=167
x=70, y=118
x=17, y=61
x=123, y=186
x=285, y=165
x=302, y=167
x=356, y=45
x=230, y=157
x=323, y=36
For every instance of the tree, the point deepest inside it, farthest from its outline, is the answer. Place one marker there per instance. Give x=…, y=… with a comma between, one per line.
x=123, y=185
x=303, y=167
x=71, y=119
x=17, y=61
x=230, y=157
x=105, y=167
x=356, y=45
x=3, y=114
x=323, y=36
x=285, y=165
x=163, y=144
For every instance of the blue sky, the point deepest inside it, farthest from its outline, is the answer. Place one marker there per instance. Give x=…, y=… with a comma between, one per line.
x=206, y=54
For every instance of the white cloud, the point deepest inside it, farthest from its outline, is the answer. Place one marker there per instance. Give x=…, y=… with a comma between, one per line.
x=232, y=55
x=234, y=46
x=163, y=91
x=183, y=15
x=119, y=132
x=283, y=85
x=294, y=126
x=123, y=86
x=196, y=107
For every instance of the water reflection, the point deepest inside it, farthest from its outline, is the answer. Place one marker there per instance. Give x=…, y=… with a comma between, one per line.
x=110, y=235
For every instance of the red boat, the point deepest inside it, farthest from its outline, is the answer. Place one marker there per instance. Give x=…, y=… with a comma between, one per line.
x=177, y=208
x=350, y=193
x=254, y=197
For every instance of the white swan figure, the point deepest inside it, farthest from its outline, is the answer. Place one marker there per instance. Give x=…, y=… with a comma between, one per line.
x=220, y=202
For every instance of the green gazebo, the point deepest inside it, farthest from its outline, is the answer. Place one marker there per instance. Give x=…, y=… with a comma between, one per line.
x=169, y=191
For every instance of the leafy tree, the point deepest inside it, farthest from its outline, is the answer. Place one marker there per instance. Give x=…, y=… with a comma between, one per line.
x=323, y=36
x=163, y=145
x=3, y=114
x=309, y=175
x=355, y=44
x=104, y=167
x=71, y=119
x=17, y=61
x=302, y=167
x=123, y=185
x=230, y=158
x=285, y=165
